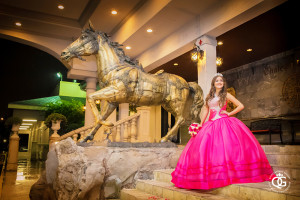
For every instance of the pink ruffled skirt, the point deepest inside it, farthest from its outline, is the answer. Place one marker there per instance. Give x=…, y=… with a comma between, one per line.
x=223, y=152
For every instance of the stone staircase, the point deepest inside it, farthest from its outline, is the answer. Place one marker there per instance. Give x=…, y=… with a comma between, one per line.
x=281, y=157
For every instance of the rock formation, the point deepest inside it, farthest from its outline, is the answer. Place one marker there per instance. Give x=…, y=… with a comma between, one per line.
x=97, y=172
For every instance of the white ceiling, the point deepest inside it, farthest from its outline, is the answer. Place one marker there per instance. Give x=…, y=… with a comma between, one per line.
x=42, y=17
x=73, y=8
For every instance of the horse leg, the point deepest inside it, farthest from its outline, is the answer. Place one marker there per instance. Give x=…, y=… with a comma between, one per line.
x=174, y=129
x=176, y=107
x=178, y=121
x=107, y=108
x=108, y=94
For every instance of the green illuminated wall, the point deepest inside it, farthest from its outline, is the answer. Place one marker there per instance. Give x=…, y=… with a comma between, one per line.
x=71, y=89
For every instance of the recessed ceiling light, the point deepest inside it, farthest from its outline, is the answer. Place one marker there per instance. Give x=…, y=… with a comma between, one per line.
x=128, y=47
x=249, y=50
x=220, y=43
x=114, y=12
x=149, y=30
x=61, y=7
x=18, y=24
x=175, y=64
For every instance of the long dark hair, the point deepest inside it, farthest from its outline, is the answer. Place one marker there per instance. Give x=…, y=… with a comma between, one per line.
x=222, y=93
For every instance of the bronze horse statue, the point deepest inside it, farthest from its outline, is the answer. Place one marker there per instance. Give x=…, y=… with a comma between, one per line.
x=123, y=80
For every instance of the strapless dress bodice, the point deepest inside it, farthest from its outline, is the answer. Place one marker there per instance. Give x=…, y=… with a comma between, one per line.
x=215, y=109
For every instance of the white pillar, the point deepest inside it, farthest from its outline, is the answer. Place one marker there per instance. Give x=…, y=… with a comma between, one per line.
x=207, y=67
x=13, y=149
x=91, y=84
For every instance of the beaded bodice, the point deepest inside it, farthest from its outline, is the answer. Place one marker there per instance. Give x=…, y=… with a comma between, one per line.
x=215, y=109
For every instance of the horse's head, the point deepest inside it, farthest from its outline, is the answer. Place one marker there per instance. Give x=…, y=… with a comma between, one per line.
x=85, y=45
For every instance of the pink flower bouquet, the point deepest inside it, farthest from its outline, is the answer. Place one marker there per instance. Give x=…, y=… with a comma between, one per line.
x=194, y=129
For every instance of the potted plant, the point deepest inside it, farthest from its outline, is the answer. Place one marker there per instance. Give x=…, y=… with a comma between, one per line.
x=15, y=122
x=54, y=121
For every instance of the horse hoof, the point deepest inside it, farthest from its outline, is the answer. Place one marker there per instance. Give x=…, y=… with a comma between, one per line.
x=89, y=137
x=81, y=141
x=164, y=140
x=107, y=123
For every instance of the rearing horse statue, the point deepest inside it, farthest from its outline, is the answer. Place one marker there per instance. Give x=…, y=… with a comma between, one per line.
x=123, y=80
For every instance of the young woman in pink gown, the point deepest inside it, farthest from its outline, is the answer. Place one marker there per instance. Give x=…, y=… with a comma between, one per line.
x=224, y=151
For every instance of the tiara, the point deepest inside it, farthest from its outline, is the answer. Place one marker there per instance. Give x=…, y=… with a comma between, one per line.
x=218, y=74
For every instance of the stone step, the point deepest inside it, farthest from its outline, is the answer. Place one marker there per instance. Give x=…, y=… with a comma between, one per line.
x=281, y=148
x=292, y=171
x=243, y=191
x=163, y=175
x=134, y=194
x=283, y=159
x=170, y=192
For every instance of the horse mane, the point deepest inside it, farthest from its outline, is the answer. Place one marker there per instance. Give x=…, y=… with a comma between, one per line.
x=119, y=51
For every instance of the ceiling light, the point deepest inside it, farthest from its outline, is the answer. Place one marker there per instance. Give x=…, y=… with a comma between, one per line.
x=220, y=43
x=61, y=7
x=29, y=120
x=18, y=24
x=23, y=128
x=128, y=47
x=149, y=30
x=249, y=50
x=175, y=64
x=114, y=12
x=2, y=118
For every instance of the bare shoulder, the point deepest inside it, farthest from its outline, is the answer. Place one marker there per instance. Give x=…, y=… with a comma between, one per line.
x=229, y=96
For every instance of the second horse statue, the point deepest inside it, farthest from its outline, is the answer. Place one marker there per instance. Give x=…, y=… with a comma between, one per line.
x=123, y=80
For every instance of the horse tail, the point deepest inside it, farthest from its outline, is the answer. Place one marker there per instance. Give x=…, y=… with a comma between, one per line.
x=196, y=93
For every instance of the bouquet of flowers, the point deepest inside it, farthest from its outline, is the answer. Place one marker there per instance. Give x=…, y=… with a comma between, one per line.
x=194, y=128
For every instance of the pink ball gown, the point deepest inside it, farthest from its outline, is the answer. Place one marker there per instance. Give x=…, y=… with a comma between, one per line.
x=223, y=152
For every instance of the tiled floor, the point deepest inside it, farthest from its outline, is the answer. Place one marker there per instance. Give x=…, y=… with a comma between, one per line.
x=17, y=184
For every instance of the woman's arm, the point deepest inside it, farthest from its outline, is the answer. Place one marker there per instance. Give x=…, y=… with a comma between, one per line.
x=236, y=102
x=203, y=114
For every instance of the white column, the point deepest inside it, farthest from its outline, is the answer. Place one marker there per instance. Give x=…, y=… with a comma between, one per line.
x=13, y=149
x=207, y=67
x=91, y=84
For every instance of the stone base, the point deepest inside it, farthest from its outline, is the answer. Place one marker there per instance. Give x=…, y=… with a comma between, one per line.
x=92, y=172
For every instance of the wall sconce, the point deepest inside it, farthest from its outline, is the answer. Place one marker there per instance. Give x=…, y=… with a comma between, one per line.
x=219, y=61
x=197, y=54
